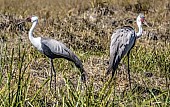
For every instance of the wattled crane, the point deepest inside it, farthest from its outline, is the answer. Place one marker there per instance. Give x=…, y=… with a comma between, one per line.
x=122, y=41
x=53, y=49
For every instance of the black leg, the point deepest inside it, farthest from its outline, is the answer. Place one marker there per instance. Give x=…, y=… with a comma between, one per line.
x=113, y=73
x=54, y=75
x=51, y=75
x=129, y=70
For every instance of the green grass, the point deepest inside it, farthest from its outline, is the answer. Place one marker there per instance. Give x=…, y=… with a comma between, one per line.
x=18, y=86
x=24, y=72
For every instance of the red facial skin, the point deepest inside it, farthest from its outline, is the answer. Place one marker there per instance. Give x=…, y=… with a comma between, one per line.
x=142, y=19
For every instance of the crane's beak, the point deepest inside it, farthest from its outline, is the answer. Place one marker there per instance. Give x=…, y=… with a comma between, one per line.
x=23, y=21
x=145, y=23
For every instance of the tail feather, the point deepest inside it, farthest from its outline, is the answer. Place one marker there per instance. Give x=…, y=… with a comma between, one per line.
x=109, y=69
x=83, y=75
x=113, y=65
x=79, y=65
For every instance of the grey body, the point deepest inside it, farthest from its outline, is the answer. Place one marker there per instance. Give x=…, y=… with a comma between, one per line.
x=122, y=41
x=55, y=49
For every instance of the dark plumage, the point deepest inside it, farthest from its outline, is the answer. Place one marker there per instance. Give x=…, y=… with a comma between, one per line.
x=55, y=49
x=122, y=41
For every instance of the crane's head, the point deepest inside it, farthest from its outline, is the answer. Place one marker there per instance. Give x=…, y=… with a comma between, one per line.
x=32, y=19
x=141, y=20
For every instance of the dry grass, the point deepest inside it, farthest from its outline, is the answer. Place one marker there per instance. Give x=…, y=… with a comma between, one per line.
x=86, y=27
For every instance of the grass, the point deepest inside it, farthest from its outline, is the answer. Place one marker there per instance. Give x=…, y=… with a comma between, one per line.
x=24, y=76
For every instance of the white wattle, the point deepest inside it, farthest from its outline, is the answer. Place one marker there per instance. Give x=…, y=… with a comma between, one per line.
x=35, y=41
x=139, y=33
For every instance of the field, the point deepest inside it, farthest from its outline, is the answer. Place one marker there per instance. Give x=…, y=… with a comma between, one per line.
x=85, y=26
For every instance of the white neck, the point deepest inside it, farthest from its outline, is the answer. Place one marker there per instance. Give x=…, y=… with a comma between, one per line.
x=139, y=34
x=31, y=30
x=35, y=41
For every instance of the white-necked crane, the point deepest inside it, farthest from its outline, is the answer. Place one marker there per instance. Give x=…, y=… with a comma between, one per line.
x=53, y=49
x=122, y=41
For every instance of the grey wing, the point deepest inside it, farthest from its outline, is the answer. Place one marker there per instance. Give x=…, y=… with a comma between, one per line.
x=126, y=42
x=121, y=42
x=56, y=49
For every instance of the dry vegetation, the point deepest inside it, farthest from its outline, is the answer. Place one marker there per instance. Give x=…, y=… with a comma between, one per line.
x=86, y=27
